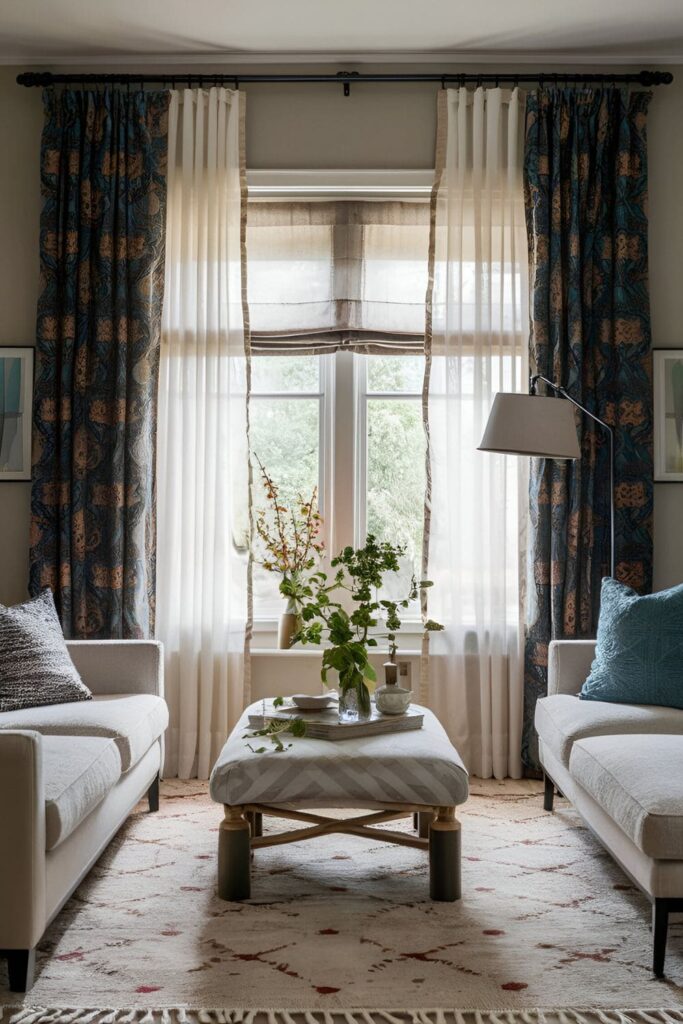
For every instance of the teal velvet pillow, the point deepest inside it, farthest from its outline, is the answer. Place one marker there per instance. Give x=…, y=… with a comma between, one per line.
x=639, y=652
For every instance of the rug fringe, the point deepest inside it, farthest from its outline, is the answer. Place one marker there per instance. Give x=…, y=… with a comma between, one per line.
x=201, y=1015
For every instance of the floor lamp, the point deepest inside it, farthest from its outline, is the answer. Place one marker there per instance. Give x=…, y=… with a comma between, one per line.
x=530, y=425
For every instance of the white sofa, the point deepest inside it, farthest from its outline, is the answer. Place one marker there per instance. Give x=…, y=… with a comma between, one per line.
x=70, y=774
x=621, y=765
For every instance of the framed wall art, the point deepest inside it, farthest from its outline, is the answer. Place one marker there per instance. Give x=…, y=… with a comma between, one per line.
x=668, y=399
x=16, y=400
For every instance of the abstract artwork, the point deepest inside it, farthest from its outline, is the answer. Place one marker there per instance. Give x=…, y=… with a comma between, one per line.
x=16, y=392
x=668, y=394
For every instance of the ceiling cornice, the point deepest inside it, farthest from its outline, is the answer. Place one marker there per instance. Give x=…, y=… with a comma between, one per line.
x=443, y=57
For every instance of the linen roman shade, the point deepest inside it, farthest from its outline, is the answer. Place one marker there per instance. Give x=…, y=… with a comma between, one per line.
x=329, y=275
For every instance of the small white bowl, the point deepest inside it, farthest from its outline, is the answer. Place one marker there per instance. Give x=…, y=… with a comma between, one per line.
x=393, y=700
x=312, y=702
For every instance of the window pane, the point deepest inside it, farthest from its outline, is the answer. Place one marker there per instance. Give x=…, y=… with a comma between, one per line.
x=395, y=373
x=284, y=436
x=396, y=473
x=285, y=373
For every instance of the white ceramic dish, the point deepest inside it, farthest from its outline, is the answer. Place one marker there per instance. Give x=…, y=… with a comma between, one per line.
x=312, y=702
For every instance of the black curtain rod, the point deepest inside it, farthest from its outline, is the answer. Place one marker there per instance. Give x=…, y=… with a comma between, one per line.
x=345, y=78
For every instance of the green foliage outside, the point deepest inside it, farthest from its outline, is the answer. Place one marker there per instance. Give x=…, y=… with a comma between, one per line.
x=285, y=436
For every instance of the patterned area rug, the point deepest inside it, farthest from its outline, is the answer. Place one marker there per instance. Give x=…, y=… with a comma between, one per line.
x=546, y=920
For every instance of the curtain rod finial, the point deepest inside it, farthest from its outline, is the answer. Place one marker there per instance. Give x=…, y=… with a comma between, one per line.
x=656, y=78
x=29, y=78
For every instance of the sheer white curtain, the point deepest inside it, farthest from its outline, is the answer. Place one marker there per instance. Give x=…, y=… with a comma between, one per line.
x=479, y=327
x=203, y=516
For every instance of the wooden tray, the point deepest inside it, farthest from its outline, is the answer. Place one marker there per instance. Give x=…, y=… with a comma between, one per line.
x=325, y=725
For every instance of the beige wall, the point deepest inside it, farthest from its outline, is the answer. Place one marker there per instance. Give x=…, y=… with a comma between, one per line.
x=298, y=126
x=20, y=125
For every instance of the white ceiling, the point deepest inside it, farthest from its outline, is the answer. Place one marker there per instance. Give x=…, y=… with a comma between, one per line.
x=54, y=31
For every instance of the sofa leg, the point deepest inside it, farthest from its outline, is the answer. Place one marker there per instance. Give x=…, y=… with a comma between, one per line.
x=548, y=792
x=21, y=966
x=153, y=795
x=660, y=927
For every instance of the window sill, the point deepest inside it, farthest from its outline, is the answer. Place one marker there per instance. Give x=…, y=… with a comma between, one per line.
x=315, y=652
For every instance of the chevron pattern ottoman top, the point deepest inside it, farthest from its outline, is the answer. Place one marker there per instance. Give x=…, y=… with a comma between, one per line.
x=420, y=767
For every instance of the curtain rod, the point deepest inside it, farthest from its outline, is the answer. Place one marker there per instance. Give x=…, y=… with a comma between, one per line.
x=345, y=78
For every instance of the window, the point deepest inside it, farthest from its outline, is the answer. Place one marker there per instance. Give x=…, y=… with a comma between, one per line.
x=288, y=410
x=391, y=452
x=336, y=295
x=351, y=425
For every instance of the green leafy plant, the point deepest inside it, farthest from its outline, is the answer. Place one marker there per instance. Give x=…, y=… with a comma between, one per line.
x=350, y=634
x=274, y=731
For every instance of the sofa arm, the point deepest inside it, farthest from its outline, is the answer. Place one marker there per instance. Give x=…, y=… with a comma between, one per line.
x=569, y=665
x=119, y=666
x=22, y=840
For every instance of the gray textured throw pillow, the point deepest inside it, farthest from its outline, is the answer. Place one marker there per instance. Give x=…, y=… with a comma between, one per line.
x=35, y=666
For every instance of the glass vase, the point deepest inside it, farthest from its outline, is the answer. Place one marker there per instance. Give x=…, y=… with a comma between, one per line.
x=350, y=709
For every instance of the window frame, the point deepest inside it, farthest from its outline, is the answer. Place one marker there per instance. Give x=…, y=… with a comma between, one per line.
x=343, y=399
x=342, y=456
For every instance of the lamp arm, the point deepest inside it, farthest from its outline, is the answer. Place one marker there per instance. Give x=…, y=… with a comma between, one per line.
x=565, y=394
x=558, y=389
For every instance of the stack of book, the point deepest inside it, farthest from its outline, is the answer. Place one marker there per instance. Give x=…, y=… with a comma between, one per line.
x=325, y=725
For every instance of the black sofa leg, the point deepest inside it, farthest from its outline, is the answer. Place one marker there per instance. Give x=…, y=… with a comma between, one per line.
x=660, y=927
x=21, y=965
x=548, y=793
x=153, y=795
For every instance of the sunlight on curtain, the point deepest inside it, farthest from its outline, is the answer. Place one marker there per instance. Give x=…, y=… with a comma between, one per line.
x=479, y=327
x=203, y=516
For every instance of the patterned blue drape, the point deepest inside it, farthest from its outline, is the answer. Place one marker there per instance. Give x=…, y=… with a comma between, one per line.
x=103, y=176
x=585, y=182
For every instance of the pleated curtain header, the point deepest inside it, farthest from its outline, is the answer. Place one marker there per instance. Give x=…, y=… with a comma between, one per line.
x=329, y=275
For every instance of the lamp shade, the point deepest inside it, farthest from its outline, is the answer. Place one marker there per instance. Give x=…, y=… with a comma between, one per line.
x=521, y=424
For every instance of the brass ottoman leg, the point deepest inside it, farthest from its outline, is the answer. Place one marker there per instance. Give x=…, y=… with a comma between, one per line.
x=444, y=856
x=255, y=819
x=424, y=820
x=234, y=847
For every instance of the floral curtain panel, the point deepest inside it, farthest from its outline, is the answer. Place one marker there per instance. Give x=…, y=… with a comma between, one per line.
x=585, y=182
x=103, y=173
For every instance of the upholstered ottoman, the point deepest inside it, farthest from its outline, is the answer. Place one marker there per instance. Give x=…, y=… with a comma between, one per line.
x=389, y=776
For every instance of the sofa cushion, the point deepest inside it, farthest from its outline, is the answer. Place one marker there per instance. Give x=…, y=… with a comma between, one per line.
x=134, y=721
x=78, y=772
x=35, y=666
x=639, y=650
x=638, y=782
x=562, y=719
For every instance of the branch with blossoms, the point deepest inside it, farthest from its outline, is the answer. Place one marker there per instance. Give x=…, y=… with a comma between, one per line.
x=290, y=537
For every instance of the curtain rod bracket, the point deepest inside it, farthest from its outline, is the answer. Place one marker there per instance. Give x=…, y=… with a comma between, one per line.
x=345, y=76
